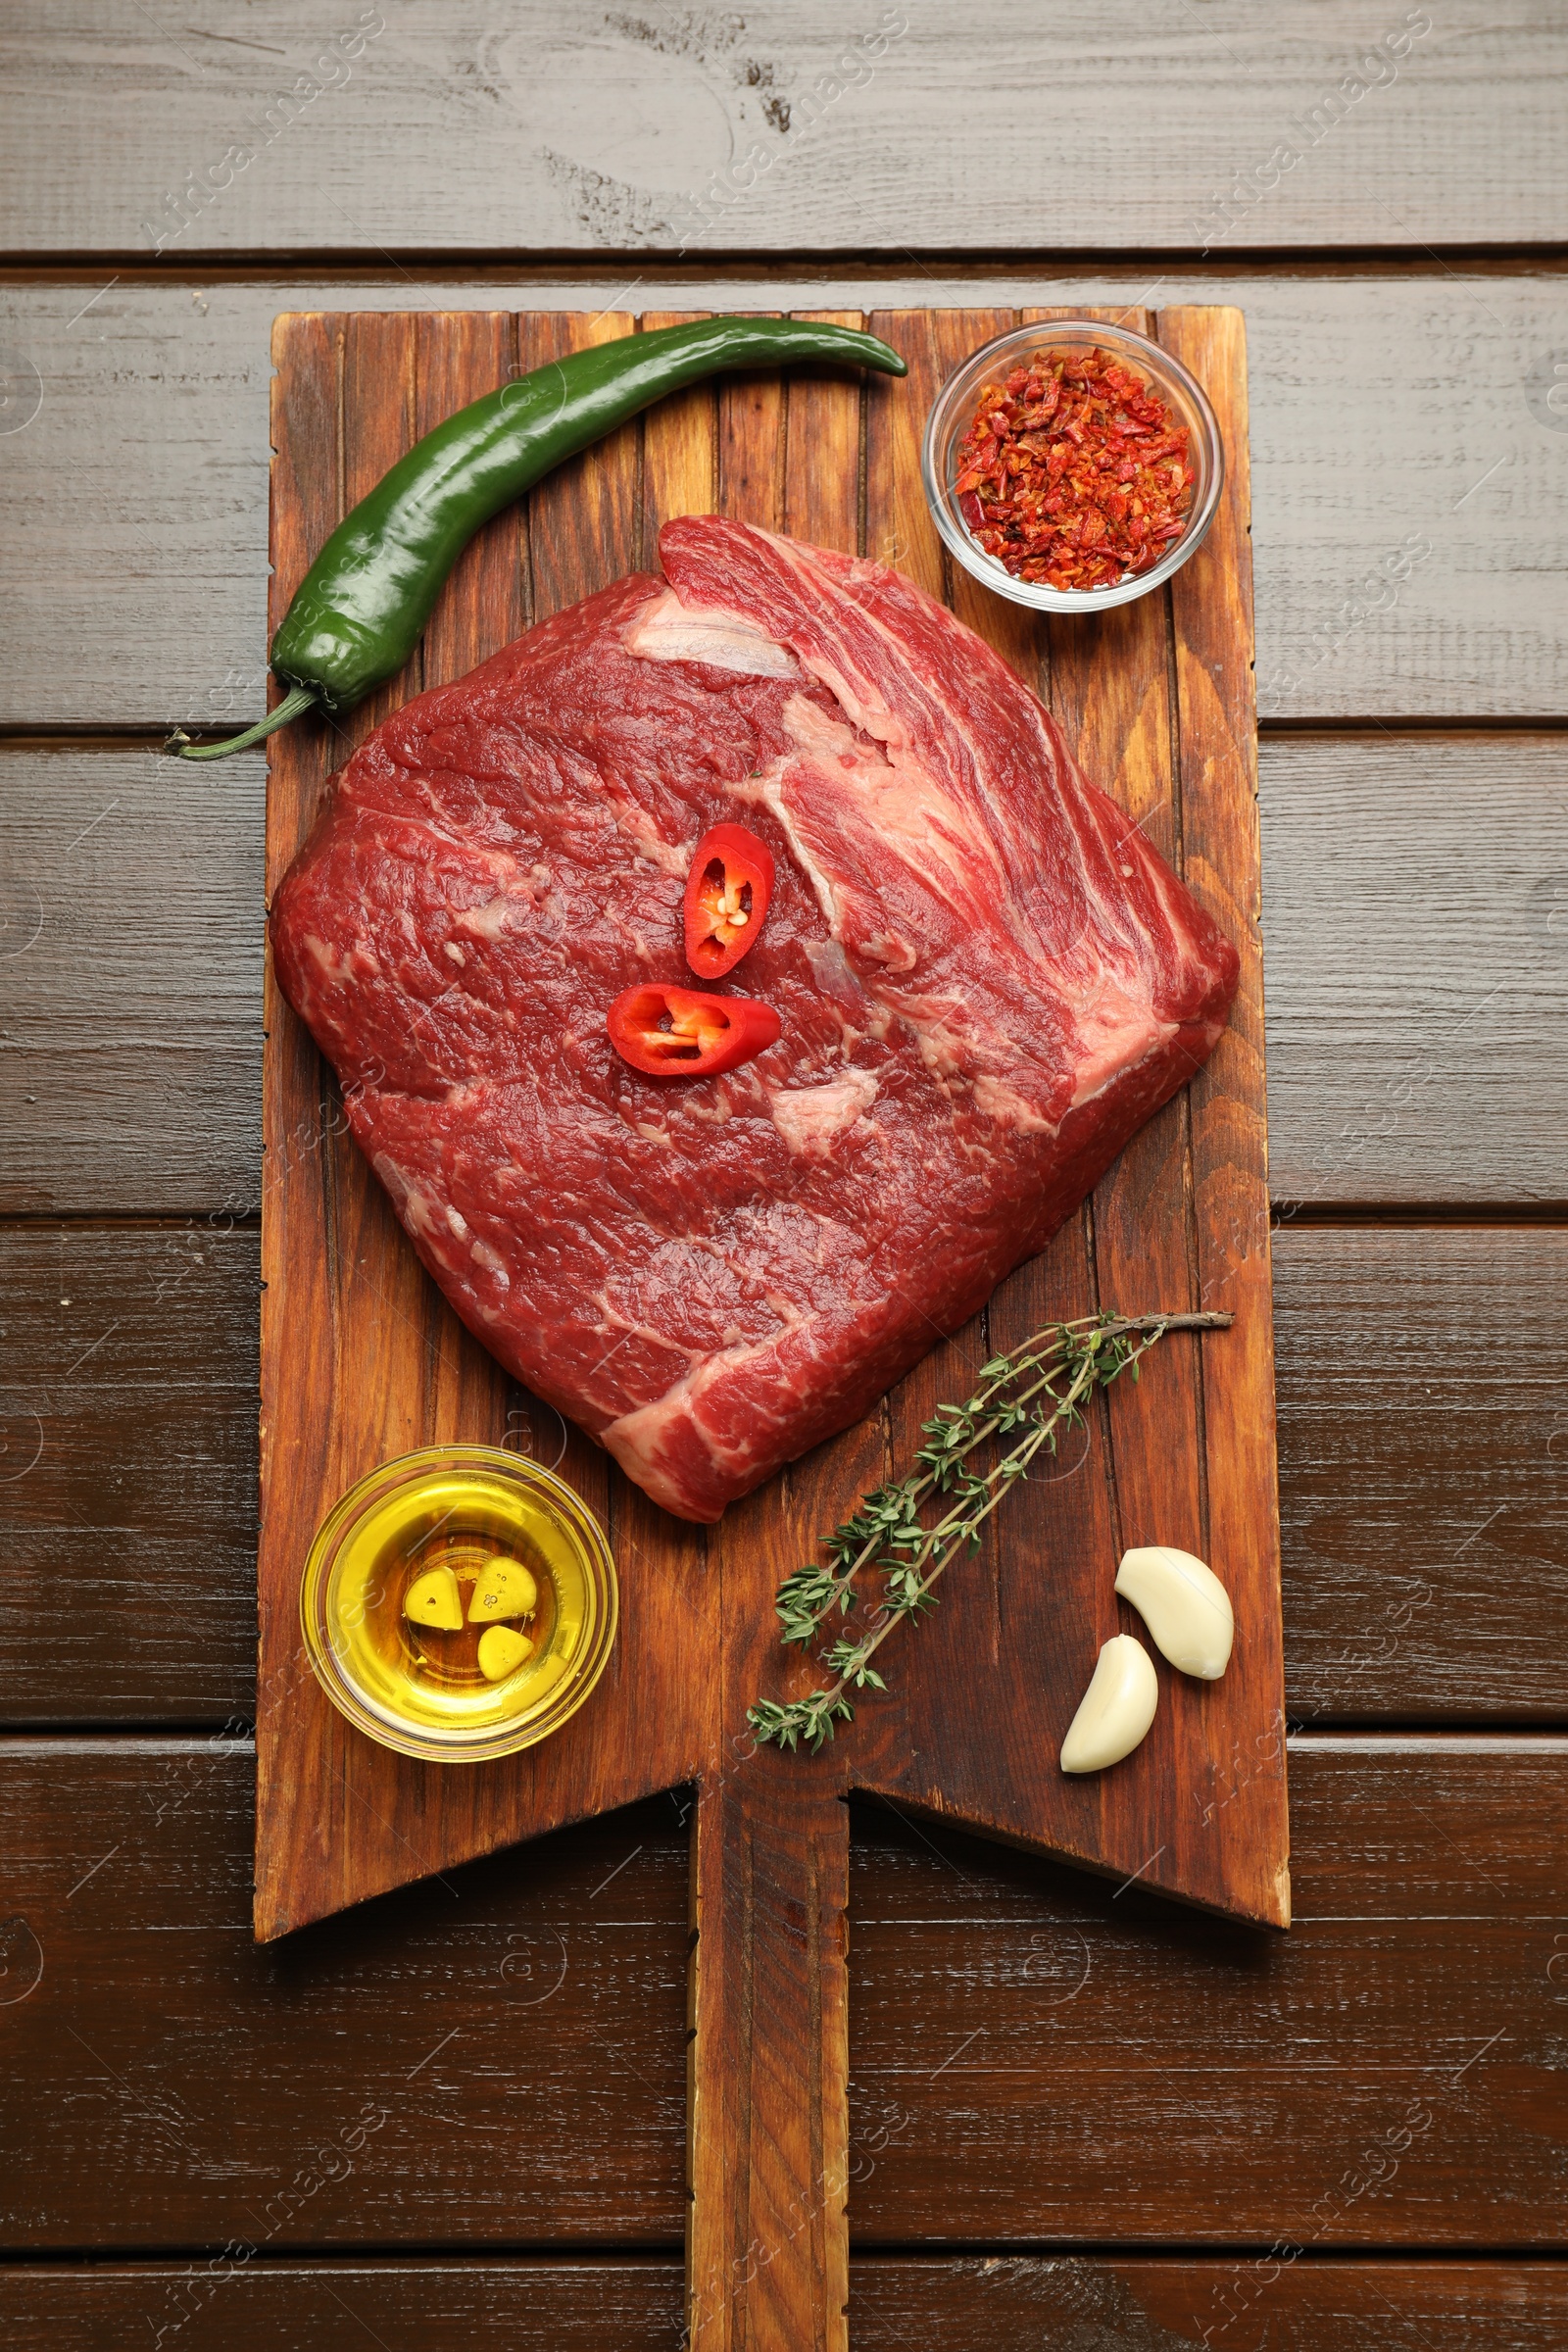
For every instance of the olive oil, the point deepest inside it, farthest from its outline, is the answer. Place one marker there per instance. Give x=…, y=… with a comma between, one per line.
x=525, y=1557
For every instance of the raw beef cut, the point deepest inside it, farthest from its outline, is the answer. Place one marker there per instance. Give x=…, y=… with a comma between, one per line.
x=987, y=982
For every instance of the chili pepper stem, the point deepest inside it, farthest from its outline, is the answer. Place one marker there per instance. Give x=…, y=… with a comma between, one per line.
x=297, y=701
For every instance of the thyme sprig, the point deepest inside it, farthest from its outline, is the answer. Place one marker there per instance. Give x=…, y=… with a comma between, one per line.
x=1026, y=1400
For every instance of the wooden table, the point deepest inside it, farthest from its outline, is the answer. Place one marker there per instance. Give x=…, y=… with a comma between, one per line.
x=1081, y=2117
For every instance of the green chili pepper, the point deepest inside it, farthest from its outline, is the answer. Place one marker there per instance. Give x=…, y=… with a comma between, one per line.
x=361, y=608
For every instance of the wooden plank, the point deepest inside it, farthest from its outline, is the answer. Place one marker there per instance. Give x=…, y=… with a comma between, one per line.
x=1134, y=2072
x=1110, y=689
x=224, y=2087
x=921, y=1744
x=229, y=2302
x=486, y=599
x=387, y=1365
x=330, y=1407
x=129, y=1466
x=790, y=130
x=768, y=2060
x=1227, y=1191
x=1134, y=2075
x=133, y=929
x=1265, y=2302
x=1421, y=1476
x=1461, y=942
x=1422, y=1371
x=1408, y=1061
x=768, y=2119
x=767, y=2101
x=134, y=504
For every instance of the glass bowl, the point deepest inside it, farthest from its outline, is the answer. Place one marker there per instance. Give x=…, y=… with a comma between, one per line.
x=953, y=412
x=419, y=1687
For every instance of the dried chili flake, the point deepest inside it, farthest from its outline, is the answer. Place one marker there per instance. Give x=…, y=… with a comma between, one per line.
x=1074, y=473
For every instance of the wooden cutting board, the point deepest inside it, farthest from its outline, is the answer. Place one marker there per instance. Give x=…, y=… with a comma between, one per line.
x=362, y=1358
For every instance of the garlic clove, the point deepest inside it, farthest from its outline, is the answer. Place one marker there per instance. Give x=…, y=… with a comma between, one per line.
x=505, y=1588
x=1185, y=1606
x=433, y=1598
x=502, y=1648
x=1116, y=1709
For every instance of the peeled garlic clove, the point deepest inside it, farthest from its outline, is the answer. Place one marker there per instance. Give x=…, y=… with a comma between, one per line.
x=504, y=1588
x=501, y=1648
x=1116, y=1709
x=1185, y=1606
x=433, y=1598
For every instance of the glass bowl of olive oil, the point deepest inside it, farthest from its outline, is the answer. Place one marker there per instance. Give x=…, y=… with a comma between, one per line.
x=459, y=1603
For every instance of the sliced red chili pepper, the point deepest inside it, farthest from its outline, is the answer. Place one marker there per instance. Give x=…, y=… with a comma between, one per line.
x=682, y=1033
x=726, y=898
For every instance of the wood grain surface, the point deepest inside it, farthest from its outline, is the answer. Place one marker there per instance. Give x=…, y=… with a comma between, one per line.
x=391, y=1367
x=1258, y=2072
x=1421, y=1374
x=232, y=2302
x=1411, y=560
x=282, y=2095
x=1409, y=482
x=1036, y=2058
x=1268, y=2303
x=332, y=1260
x=360, y=1360
x=562, y=128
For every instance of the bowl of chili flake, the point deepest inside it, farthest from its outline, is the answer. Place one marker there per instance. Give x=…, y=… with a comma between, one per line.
x=1071, y=465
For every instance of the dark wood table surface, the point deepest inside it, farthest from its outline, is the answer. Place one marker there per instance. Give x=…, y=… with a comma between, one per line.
x=1081, y=2119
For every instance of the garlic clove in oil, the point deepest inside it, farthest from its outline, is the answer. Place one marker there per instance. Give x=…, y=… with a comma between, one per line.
x=1185, y=1606
x=433, y=1598
x=504, y=1588
x=502, y=1648
x=1116, y=1709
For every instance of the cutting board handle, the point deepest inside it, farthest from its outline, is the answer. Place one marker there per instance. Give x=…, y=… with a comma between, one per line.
x=767, y=2255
